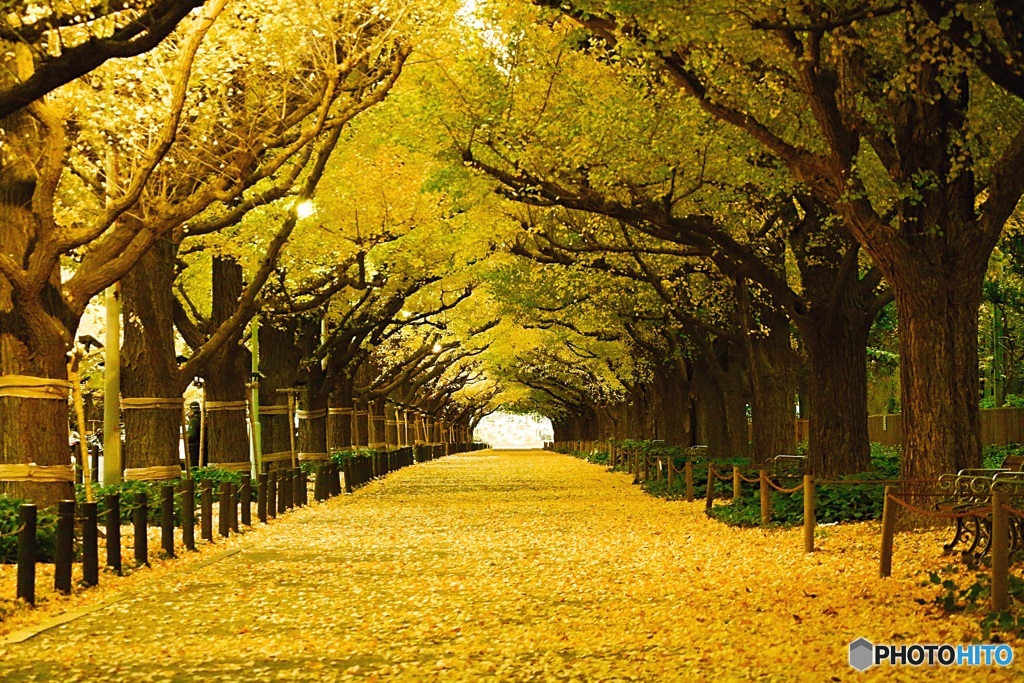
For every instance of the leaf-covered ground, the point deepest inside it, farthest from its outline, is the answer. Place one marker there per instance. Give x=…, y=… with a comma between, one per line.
x=517, y=566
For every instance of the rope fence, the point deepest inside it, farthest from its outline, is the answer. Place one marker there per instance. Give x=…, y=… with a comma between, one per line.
x=982, y=505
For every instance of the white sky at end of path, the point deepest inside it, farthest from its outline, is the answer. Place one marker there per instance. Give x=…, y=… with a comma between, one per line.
x=504, y=430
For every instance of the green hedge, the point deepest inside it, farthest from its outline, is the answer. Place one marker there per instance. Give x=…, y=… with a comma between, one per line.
x=10, y=523
x=834, y=503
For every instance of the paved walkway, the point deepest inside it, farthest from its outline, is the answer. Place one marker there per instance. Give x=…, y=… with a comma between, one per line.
x=505, y=566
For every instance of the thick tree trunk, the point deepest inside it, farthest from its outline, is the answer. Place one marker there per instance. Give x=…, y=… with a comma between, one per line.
x=938, y=322
x=227, y=373
x=313, y=418
x=279, y=363
x=675, y=401
x=837, y=397
x=339, y=419
x=33, y=430
x=36, y=326
x=773, y=385
x=149, y=366
x=721, y=407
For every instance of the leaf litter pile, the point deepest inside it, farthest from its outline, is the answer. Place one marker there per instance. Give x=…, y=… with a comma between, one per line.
x=516, y=566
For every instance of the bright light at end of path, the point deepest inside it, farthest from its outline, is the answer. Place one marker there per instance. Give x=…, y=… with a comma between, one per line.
x=305, y=209
x=437, y=348
x=505, y=430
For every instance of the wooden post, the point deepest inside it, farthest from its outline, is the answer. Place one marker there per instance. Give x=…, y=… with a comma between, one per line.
x=297, y=487
x=284, y=490
x=27, y=554
x=710, y=497
x=232, y=508
x=671, y=466
x=114, y=532
x=348, y=475
x=657, y=468
x=206, y=512
x=766, y=499
x=90, y=545
x=809, y=520
x=167, y=519
x=65, y=546
x=888, y=533
x=318, y=484
x=245, y=499
x=272, y=494
x=737, y=485
x=140, y=532
x=188, y=514
x=222, y=510
x=1000, y=552
x=689, y=481
x=261, y=497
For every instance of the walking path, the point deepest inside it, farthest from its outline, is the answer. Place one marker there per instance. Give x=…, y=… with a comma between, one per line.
x=510, y=566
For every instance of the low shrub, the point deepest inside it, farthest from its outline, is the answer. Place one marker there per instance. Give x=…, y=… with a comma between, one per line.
x=339, y=457
x=833, y=503
x=127, y=490
x=10, y=524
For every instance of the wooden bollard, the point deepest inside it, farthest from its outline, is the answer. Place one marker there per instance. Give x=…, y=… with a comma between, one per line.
x=94, y=453
x=232, y=508
x=223, y=527
x=297, y=487
x=206, y=512
x=658, y=466
x=348, y=475
x=140, y=531
x=318, y=484
x=90, y=545
x=888, y=533
x=710, y=496
x=272, y=494
x=334, y=479
x=245, y=499
x=188, y=514
x=284, y=490
x=809, y=520
x=689, y=481
x=64, y=552
x=1000, y=552
x=114, y=532
x=671, y=466
x=766, y=499
x=167, y=520
x=261, y=497
x=737, y=484
x=27, y=515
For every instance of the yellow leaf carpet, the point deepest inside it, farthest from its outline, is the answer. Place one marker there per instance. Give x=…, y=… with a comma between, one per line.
x=514, y=566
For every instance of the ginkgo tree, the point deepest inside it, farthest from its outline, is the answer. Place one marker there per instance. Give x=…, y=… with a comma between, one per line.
x=103, y=169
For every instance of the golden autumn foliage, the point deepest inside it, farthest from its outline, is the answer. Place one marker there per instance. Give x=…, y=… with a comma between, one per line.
x=514, y=566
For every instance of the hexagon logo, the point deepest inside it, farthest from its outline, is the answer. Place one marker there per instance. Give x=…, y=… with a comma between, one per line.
x=862, y=654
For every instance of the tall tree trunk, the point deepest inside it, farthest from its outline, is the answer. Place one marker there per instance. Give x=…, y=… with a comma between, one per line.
x=227, y=372
x=938, y=323
x=837, y=396
x=339, y=419
x=149, y=366
x=675, y=401
x=313, y=399
x=36, y=327
x=773, y=387
x=279, y=363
